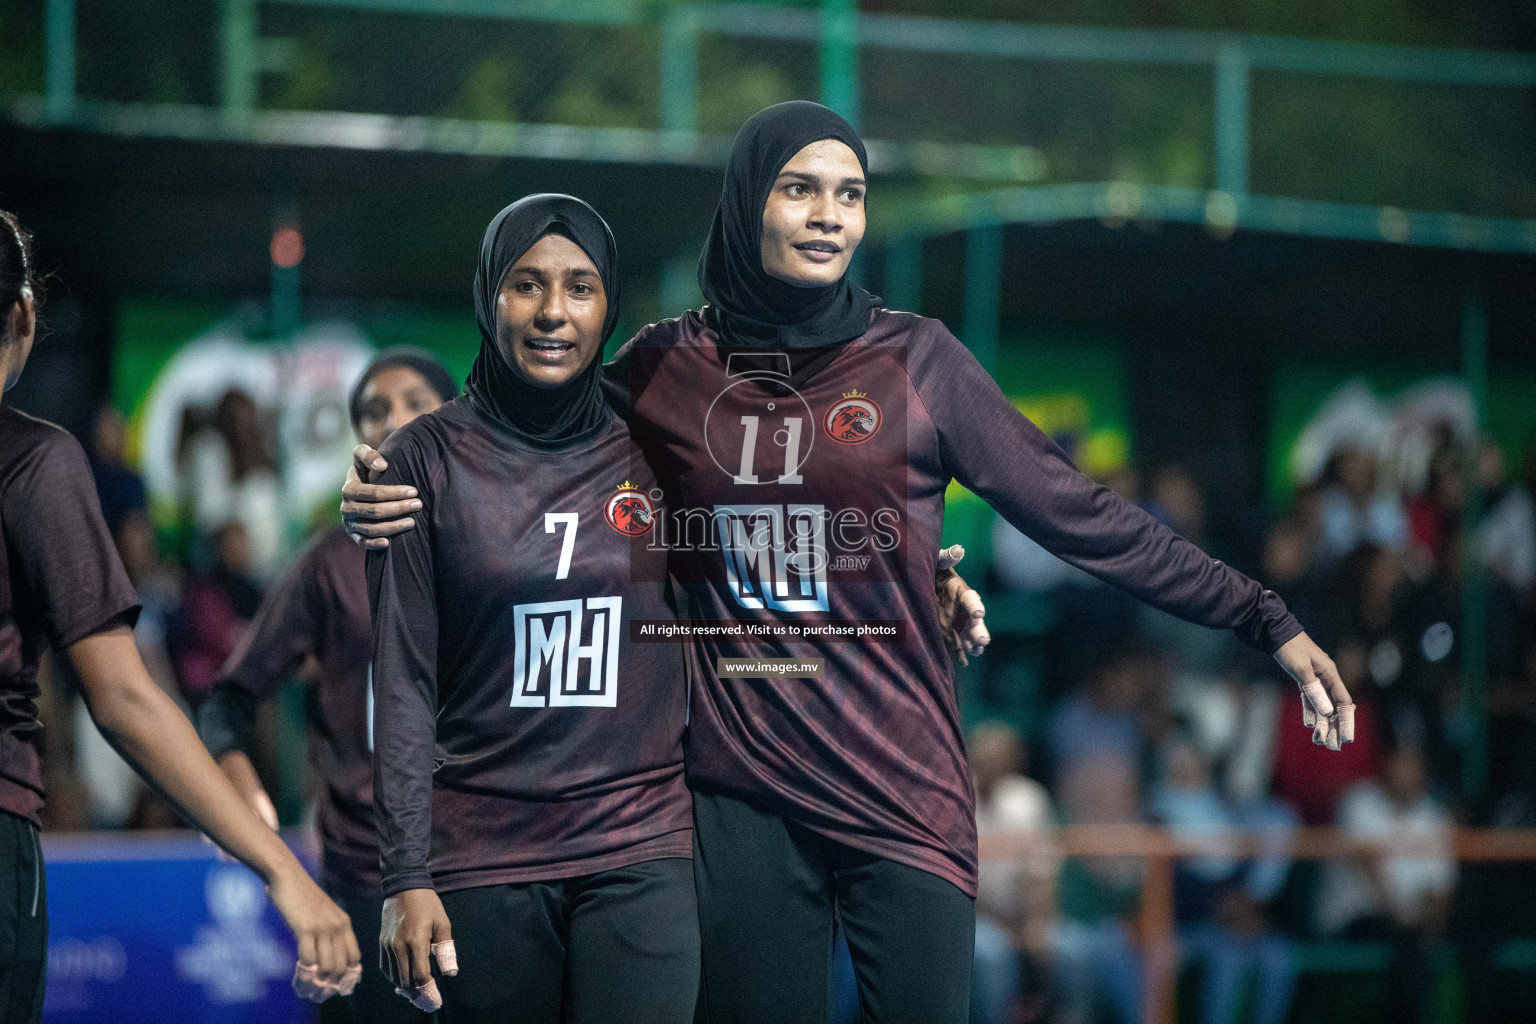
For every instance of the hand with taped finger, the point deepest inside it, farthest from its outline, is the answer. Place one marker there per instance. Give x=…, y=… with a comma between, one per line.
x=414, y=931
x=962, y=616
x=329, y=963
x=309, y=984
x=1326, y=707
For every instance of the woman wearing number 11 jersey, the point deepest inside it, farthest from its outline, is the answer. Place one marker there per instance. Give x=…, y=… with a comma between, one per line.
x=529, y=766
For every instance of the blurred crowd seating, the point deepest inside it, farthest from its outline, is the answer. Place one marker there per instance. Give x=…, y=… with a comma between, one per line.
x=1093, y=710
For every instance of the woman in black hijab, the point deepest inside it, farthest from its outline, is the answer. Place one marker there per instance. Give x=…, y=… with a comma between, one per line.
x=793, y=305
x=796, y=408
x=534, y=823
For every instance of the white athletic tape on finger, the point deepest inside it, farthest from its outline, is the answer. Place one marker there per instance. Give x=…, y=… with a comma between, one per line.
x=447, y=957
x=950, y=557
x=1346, y=723
x=424, y=997
x=349, y=980
x=1319, y=697
x=1327, y=734
x=309, y=985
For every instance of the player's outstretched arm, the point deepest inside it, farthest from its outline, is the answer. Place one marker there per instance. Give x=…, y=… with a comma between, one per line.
x=373, y=513
x=993, y=449
x=152, y=734
x=414, y=929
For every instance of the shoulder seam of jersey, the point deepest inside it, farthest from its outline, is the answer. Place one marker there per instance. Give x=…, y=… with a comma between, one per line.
x=52, y=435
x=906, y=372
x=425, y=428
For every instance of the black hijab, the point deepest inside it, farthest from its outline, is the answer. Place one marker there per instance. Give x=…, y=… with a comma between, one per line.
x=747, y=306
x=495, y=387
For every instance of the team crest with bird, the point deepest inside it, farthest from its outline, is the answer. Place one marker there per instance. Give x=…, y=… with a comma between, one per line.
x=853, y=420
x=630, y=510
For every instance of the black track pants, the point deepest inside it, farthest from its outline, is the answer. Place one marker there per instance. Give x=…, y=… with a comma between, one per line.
x=617, y=947
x=768, y=891
x=23, y=922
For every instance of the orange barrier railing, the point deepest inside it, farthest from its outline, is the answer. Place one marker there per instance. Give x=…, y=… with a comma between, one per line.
x=1160, y=849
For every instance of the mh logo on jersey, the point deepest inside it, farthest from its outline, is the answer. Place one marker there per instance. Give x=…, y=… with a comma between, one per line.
x=854, y=420
x=630, y=510
x=775, y=555
x=550, y=655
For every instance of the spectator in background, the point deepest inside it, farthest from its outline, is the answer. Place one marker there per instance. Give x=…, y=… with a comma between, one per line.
x=1175, y=500
x=1099, y=963
x=1293, y=561
x=1506, y=540
x=1220, y=900
x=216, y=607
x=159, y=588
x=1385, y=894
x=1353, y=509
x=1435, y=513
x=1110, y=716
x=1512, y=730
x=229, y=475
x=1386, y=633
x=116, y=794
x=1015, y=898
x=1306, y=776
x=1082, y=609
x=119, y=487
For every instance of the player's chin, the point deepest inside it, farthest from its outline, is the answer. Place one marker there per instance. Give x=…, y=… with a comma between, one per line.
x=557, y=374
x=817, y=275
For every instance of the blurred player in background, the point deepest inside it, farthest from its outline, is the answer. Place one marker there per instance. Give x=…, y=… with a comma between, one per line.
x=315, y=620
x=63, y=586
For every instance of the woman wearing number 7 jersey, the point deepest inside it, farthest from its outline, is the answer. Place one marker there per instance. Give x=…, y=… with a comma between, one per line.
x=528, y=766
x=849, y=799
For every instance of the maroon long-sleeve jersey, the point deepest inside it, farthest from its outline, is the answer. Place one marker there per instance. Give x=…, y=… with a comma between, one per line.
x=60, y=582
x=519, y=734
x=318, y=609
x=820, y=475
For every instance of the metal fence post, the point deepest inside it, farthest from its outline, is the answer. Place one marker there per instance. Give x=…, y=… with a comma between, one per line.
x=60, y=25
x=287, y=253
x=904, y=273
x=1159, y=969
x=1474, y=601
x=983, y=291
x=840, y=57
x=679, y=74
x=237, y=44
x=1233, y=87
